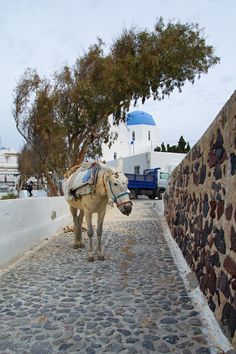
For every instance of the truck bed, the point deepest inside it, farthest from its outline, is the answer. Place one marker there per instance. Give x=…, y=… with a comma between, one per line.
x=137, y=181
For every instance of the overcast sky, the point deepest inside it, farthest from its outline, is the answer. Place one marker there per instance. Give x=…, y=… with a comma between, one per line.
x=46, y=34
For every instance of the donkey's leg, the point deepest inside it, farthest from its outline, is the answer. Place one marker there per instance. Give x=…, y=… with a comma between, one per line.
x=78, y=226
x=101, y=215
x=79, y=236
x=88, y=217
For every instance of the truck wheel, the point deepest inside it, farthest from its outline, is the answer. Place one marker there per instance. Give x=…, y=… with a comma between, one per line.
x=152, y=196
x=132, y=194
x=159, y=195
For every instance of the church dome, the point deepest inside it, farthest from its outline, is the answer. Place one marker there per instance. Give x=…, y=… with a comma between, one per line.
x=139, y=117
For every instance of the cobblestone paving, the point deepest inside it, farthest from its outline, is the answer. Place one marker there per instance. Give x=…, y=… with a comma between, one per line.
x=54, y=301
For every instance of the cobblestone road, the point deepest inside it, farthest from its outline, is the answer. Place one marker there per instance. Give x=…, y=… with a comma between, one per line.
x=54, y=301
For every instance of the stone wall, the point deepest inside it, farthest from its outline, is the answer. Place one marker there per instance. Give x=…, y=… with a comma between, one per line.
x=200, y=208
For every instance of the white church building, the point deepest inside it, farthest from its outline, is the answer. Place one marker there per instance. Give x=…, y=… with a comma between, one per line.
x=137, y=138
x=137, y=135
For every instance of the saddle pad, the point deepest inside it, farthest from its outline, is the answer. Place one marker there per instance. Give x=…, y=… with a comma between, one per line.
x=79, y=179
x=79, y=183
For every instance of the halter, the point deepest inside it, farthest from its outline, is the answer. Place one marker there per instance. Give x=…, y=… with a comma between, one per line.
x=115, y=197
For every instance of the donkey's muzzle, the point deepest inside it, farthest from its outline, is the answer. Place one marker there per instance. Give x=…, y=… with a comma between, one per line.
x=126, y=208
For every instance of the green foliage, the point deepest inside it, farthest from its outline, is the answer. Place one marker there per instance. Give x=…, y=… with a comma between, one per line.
x=8, y=196
x=163, y=148
x=182, y=147
x=188, y=147
x=66, y=117
x=157, y=62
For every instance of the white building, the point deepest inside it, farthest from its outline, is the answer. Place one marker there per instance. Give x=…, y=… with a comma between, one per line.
x=8, y=167
x=167, y=161
x=137, y=138
x=137, y=135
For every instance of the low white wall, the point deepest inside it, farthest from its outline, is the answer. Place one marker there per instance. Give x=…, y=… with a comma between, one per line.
x=24, y=223
x=165, y=160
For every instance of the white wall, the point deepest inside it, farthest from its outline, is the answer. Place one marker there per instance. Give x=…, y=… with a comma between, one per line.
x=165, y=160
x=141, y=160
x=24, y=223
x=141, y=143
x=8, y=166
x=130, y=162
x=123, y=147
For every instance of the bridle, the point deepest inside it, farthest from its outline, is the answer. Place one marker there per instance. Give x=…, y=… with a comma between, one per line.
x=115, y=197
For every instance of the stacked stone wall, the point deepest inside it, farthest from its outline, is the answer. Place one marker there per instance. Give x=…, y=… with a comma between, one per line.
x=200, y=208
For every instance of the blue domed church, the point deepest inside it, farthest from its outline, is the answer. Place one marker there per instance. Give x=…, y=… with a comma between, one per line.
x=137, y=135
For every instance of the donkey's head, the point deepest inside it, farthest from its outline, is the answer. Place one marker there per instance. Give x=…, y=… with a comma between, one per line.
x=117, y=186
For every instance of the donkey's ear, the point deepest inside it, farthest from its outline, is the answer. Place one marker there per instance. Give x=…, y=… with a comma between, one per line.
x=105, y=167
x=119, y=164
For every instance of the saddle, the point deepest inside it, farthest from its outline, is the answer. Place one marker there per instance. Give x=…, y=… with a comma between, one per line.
x=81, y=182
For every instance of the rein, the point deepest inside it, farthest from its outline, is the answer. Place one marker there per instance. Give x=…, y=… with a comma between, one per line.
x=115, y=197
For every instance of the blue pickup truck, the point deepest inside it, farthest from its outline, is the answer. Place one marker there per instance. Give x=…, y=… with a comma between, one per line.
x=152, y=183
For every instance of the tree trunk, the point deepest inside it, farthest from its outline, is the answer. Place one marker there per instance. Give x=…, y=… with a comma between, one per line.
x=82, y=154
x=53, y=188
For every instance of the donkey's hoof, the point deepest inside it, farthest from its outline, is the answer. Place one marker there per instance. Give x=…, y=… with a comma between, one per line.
x=90, y=258
x=75, y=245
x=101, y=257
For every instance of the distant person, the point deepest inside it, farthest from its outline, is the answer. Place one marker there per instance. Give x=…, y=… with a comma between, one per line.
x=29, y=188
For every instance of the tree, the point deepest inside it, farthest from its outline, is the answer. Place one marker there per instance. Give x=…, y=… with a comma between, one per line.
x=176, y=148
x=163, y=148
x=181, y=145
x=35, y=121
x=187, y=148
x=28, y=164
x=172, y=148
x=64, y=118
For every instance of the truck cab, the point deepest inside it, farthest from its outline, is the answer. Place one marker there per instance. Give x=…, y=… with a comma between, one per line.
x=162, y=179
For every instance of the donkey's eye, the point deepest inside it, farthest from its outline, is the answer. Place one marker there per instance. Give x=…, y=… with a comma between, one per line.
x=115, y=184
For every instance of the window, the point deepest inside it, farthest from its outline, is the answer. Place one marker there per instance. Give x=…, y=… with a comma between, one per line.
x=137, y=170
x=133, y=135
x=3, y=189
x=149, y=135
x=115, y=155
x=164, y=175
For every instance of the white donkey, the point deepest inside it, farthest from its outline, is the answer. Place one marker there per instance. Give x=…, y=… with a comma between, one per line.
x=111, y=184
